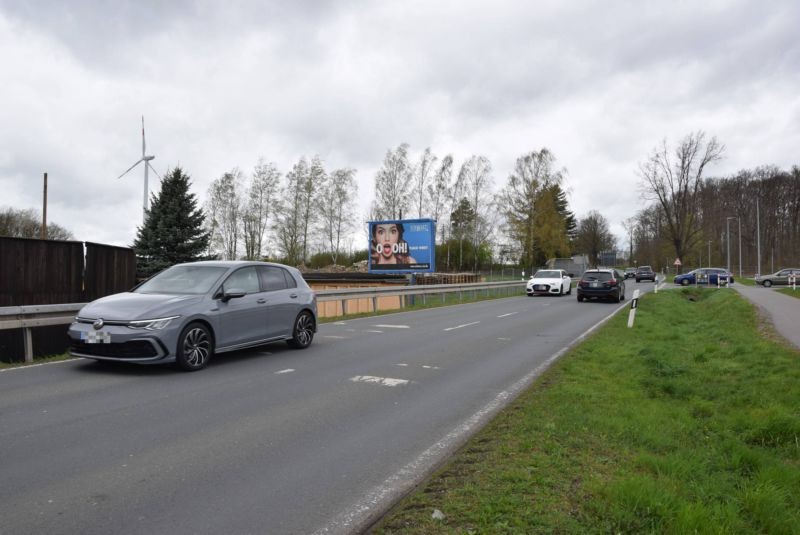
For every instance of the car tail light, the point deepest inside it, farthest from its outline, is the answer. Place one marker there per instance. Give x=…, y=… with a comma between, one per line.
x=612, y=282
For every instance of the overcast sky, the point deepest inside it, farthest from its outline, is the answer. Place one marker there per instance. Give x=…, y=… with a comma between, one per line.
x=222, y=84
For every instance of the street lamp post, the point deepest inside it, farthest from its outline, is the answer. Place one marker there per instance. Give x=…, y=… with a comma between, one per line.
x=739, y=219
x=728, y=242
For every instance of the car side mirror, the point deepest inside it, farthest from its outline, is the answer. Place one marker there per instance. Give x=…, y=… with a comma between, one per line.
x=233, y=293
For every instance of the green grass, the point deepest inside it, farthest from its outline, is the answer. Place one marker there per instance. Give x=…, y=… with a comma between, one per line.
x=744, y=281
x=687, y=423
x=789, y=291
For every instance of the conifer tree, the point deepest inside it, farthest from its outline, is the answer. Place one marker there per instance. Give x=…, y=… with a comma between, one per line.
x=173, y=231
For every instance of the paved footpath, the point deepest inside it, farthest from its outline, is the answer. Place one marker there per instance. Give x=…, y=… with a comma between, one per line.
x=783, y=309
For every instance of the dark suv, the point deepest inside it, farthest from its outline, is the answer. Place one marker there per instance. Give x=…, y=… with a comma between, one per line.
x=645, y=273
x=601, y=284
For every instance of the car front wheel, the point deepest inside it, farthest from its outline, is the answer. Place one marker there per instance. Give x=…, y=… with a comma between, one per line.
x=195, y=347
x=767, y=284
x=303, y=332
x=685, y=282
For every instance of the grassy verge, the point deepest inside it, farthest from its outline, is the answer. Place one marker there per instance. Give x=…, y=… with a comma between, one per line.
x=789, y=291
x=686, y=423
x=744, y=281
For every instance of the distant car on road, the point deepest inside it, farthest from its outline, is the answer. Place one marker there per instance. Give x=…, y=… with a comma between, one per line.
x=703, y=276
x=781, y=277
x=645, y=273
x=549, y=282
x=189, y=312
x=601, y=284
x=630, y=272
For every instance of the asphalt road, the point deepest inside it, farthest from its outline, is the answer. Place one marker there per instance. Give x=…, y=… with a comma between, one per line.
x=270, y=440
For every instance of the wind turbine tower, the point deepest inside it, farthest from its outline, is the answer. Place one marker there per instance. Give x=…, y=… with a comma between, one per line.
x=146, y=159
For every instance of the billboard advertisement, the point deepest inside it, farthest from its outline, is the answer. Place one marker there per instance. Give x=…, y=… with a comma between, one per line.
x=406, y=246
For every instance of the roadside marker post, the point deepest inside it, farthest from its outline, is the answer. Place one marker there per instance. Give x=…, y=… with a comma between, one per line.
x=793, y=281
x=634, y=306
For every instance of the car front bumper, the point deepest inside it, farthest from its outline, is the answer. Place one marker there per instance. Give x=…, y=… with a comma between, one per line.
x=120, y=343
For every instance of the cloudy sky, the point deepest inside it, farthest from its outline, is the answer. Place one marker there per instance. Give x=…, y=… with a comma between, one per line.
x=222, y=84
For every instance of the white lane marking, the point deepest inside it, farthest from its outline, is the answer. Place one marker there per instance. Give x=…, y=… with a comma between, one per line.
x=432, y=367
x=369, y=331
x=392, y=326
x=386, y=381
x=289, y=370
x=402, y=364
x=504, y=339
x=461, y=326
x=507, y=315
x=361, y=514
x=26, y=366
x=333, y=336
x=338, y=323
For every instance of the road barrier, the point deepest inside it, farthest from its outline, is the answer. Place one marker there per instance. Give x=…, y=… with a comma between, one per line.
x=29, y=317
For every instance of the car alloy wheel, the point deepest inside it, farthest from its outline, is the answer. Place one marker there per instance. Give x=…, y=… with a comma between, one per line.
x=767, y=284
x=685, y=282
x=303, y=332
x=195, y=347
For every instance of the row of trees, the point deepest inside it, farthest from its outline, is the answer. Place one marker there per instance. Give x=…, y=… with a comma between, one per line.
x=17, y=223
x=308, y=211
x=690, y=216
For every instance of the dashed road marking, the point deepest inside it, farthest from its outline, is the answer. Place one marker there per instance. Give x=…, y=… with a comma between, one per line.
x=402, y=364
x=461, y=326
x=369, y=331
x=507, y=315
x=392, y=326
x=333, y=336
x=289, y=370
x=385, y=381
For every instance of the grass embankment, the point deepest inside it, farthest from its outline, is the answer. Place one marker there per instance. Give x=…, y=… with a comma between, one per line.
x=686, y=423
x=744, y=281
x=789, y=291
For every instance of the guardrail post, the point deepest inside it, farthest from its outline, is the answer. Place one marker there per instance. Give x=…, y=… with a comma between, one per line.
x=344, y=307
x=27, y=341
x=374, y=304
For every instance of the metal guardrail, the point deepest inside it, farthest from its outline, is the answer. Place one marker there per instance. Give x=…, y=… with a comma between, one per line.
x=28, y=317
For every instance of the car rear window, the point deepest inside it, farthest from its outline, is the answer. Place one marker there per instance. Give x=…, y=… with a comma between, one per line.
x=645, y=268
x=597, y=276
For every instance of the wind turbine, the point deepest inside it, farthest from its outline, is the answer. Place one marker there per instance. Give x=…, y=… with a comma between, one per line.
x=146, y=159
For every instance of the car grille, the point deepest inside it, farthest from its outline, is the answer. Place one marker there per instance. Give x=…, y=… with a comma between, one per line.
x=135, y=349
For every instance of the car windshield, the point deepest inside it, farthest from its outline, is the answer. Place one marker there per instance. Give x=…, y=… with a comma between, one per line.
x=597, y=276
x=547, y=275
x=645, y=268
x=185, y=280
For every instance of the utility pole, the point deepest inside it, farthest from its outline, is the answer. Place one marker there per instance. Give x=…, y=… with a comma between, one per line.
x=758, y=235
x=740, y=247
x=44, y=210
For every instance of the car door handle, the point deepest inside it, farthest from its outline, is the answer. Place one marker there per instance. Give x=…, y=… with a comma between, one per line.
x=261, y=301
x=293, y=296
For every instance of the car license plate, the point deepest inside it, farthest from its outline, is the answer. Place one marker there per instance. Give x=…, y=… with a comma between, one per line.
x=540, y=287
x=594, y=285
x=96, y=337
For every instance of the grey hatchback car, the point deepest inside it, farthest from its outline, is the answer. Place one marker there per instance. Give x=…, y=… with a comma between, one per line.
x=189, y=312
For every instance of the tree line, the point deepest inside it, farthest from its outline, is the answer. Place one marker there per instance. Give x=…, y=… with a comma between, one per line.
x=697, y=219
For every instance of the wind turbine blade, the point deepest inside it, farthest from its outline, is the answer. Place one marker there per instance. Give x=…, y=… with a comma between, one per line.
x=131, y=167
x=153, y=169
x=142, y=136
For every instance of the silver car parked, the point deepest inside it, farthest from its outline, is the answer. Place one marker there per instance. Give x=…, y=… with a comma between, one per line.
x=189, y=312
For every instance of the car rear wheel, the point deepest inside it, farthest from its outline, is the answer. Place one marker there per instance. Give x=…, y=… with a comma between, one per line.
x=303, y=332
x=767, y=284
x=195, y=347
x=580, y=298
x=621, y=297
x=685, y=282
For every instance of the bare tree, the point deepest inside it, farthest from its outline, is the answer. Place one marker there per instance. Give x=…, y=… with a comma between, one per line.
x=224, y=206
x=392, y=184
x=674, y=180
x=337, y=208
x=439, y=189
x=422, y=178
x=260, y=199
x=594, y=236
x=310, y=184
x=475, y=182
x=17, y=223
x=288, y=223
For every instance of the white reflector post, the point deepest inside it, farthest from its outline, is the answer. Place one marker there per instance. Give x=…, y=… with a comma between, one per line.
x=634, y=306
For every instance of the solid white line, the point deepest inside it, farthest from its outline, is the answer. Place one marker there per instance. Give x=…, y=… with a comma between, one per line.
x=386, y=381
x=507, y=315
x=290, y=370
x=27, y=366
x=393, y=326
x=376, y=502
x=461, y=326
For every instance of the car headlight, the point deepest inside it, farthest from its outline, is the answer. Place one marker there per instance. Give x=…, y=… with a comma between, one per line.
x=151, y=325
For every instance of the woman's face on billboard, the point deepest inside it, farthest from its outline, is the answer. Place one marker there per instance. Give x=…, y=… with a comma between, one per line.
x=386, y=236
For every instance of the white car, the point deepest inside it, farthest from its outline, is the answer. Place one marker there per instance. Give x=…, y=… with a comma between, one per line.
x=549, y=282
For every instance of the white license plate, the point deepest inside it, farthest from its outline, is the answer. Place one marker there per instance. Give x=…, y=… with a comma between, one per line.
x=594, y=285
x=540, y=287
x=96, y=337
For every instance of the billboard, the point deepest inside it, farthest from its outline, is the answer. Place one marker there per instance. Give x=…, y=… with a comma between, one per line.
x=406, y=246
